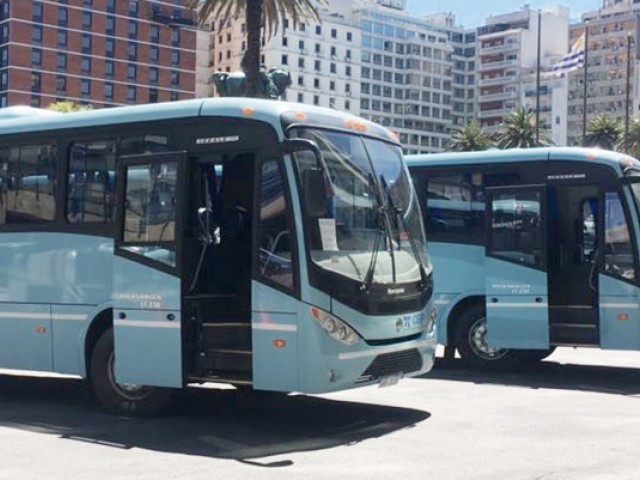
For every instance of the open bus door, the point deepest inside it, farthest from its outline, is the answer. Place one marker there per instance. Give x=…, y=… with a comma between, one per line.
x=147, y=285
x=516, y=268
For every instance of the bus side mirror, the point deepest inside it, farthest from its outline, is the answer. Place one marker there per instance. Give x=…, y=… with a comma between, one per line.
x=313, y=186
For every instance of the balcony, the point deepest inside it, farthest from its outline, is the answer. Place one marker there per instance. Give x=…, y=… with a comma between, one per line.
x=498, y=96
x=483, y=67
x=502, y=48
x=497, y=113
x=500, y=80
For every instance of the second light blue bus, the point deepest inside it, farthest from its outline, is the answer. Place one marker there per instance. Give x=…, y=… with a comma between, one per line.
x=266, y=245
x=532, y=249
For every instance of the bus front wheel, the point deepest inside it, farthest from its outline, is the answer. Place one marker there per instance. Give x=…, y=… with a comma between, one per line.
x=117, y=398
x=471, y=341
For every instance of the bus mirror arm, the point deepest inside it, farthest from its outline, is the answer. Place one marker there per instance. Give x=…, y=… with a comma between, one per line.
x=295, y=145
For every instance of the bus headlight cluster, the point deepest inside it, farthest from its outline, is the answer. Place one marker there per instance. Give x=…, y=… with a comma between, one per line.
x=431, y=321
x=335, y=327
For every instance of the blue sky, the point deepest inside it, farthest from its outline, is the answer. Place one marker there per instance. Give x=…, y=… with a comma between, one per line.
x=472, y=13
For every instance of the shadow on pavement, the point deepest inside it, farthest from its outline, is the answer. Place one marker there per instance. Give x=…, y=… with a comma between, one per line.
x=204, y=422
x=547, y=374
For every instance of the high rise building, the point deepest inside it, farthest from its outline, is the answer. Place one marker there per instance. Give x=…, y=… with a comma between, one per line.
x=97, y=52
x=507, y=62
x=323, y=57
x=613, y=33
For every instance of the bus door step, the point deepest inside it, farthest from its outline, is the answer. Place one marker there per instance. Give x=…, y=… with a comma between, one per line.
x=232, y=361
x=233, y=378
x=225, y=335
x=574, y=334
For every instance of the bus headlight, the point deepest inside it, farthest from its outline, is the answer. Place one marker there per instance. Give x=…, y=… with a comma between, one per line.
x=431, y=321
x=335, y=327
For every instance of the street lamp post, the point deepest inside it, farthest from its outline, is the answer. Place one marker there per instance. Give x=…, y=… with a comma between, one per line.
x=628, y=92
x=586, y=68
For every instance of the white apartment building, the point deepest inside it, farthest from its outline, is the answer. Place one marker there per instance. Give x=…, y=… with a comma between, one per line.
x=323, y=58
x=612, y=30
x=506, y=65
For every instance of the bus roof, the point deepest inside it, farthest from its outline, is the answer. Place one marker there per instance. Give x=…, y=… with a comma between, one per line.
x=26, y=120
x=616, y=160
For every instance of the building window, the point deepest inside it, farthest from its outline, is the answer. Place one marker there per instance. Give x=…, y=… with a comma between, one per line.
x=175, y=37
x=154, y=33
x=285, y=60
x=4, y=57
x=132, y=29
x=318, y=30
x=36, y=57
x=61, y=84
x=332, y=68
x=91, y=189
x=301, y=81
x=316, y=100
x=301, y=62
x=62, y=61
x=63, y=16
x=85, y=86
x=347, y=105
x=317, y=65
x=332, y=85
x=62, y=38
x=35, y=82
x=109, y=68
x=132, y=51
x=316, y=83
x=154, y=54
x=334, y=33
x=108, y=91
x=133, y=8
x=111, y=6
x=86, y=20
x=175, y=58
x=132, y=72
x=37, y=11
x=86, y=43
x=285, y=41
x=153, y=75
x=175, y=78
x=175, y=96
x=349, y=36
x=4, y=80
x=36, y=34
x=317, y=49
x=333, y=51
x=347, y=71
x=153, y=95
x=109, y=47
x=300, y=98
x=110, y=28
x=131, y=94
x=28, y=173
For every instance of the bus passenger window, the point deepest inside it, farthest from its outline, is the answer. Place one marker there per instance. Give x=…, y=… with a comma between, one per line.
x=516, y=229
x=28, y=183
x=143, y=144
x=91, y=182
x=455, y=208
x=618, y=250
x=275, y=255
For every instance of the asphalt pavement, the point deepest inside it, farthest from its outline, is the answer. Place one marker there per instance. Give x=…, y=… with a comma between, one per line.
x=574, y=416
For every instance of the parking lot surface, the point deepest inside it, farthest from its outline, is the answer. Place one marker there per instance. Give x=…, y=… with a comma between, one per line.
x=575, y=416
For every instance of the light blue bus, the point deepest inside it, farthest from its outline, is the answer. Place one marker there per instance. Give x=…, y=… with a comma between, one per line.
x=267, y=245
x=532, y=249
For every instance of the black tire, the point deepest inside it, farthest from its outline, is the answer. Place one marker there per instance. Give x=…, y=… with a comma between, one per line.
x=139, y=401
x=471, y=344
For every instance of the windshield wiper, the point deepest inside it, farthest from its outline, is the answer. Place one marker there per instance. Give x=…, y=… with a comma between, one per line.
x=384, y=226
x=399, y=214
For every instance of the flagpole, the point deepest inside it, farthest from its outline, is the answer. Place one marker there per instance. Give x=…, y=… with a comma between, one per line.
x=538, y=78
x=586, y=68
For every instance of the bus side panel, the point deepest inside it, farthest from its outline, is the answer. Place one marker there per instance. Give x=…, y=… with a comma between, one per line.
x=619, y=314
x=458, y=271
x=274, y=323
x=147, y=325
x=25, y=336
x=70, y=323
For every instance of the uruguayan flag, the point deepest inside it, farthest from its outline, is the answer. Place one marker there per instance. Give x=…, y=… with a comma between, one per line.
x=573, y=60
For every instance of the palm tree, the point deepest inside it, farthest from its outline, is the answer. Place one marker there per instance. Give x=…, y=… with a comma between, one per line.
x=258, y=14
x=631, y=144
x=603, y=131
x=470, y=138
x=519, y=131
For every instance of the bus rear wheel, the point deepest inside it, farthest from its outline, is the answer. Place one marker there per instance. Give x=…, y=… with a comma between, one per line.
x=471, y=341
x=117, y=398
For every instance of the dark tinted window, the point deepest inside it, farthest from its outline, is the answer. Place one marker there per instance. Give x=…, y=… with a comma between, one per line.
x=27, y=183
x=516, y=226
x=618, y=249
x=91, y=187
x=275, y=257
x=143, y=144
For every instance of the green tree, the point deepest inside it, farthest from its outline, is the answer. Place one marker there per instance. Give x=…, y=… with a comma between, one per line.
x=68, y=107
x=470, y=138
x=631, y=144
x=519, y=131
x=603, y=131
x=256, y=13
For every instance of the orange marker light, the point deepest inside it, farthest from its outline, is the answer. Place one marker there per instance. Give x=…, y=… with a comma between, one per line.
x=622, y=316
x=355, y=125
x=279, y=343
x=248, y=111
x=300, y=116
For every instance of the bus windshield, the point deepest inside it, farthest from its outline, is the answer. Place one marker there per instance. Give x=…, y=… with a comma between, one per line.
x=371, y=230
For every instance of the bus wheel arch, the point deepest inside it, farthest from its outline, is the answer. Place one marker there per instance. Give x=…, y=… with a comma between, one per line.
x=100, y=324
x=454, y=316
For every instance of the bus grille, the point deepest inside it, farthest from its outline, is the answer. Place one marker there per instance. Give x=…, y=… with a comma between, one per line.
x=405, y=361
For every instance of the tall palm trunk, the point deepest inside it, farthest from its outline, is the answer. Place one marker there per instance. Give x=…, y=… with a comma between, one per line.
x=251, y=61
